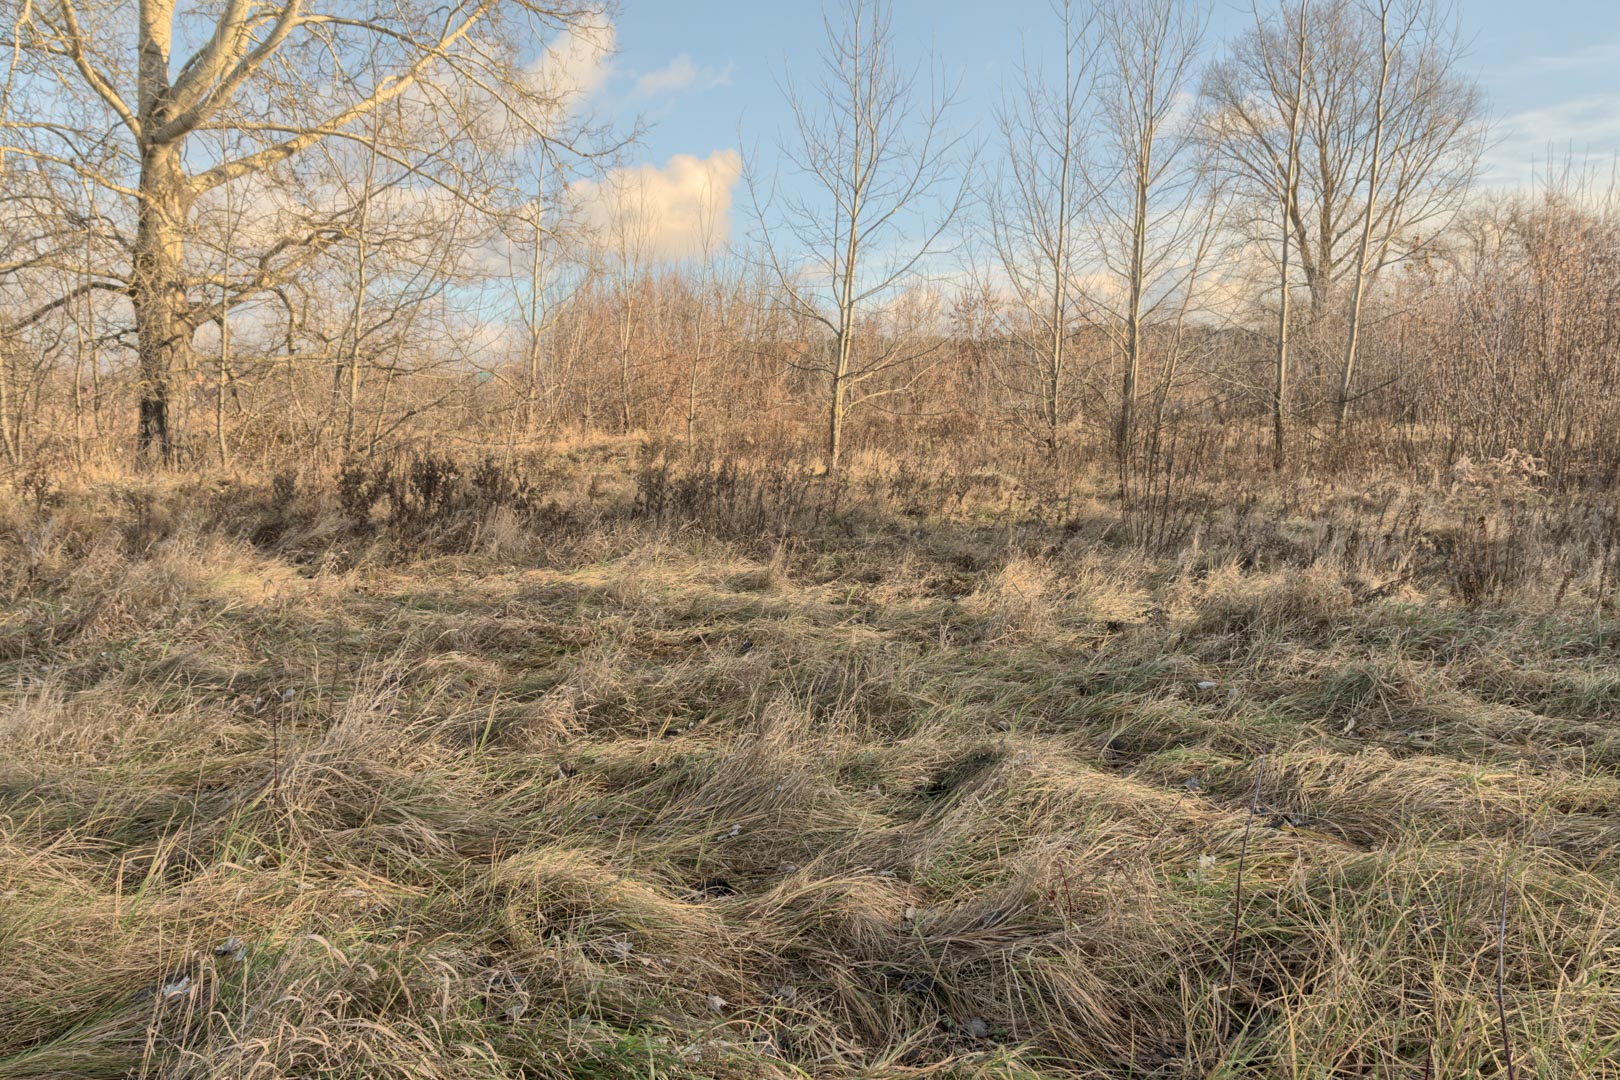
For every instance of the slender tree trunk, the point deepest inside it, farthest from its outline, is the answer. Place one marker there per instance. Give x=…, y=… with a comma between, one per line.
x=1279, y=399
x=1060, y=258
x=224, y=336
x=698, y=343
x=843, y=344
x=537, y=289
x=626, y=326
x=95, y=371
x=224, y=377
x=30, y=396
x=1133, y=315
x=351, y=405
x=1279, y=393
x=1353, y=334
x=1054, y=392
x=78, y=390
x=836, y=401
x=7, y=445
x=1060, y=318
x=835, y=428
x=6, y=442
x=350, y=371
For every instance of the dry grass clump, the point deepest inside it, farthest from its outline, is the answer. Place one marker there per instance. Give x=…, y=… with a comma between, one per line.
x=592, y=785
x=1308, y=600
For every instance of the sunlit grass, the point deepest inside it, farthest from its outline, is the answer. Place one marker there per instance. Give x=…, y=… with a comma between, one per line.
x=885, y=799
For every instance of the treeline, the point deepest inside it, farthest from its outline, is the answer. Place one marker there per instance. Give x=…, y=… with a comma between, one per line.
x=327, y=237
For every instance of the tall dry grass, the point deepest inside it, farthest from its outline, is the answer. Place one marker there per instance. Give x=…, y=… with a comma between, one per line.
x=614, y=763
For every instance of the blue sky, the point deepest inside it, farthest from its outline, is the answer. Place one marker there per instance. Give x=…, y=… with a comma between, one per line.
x=697, y=70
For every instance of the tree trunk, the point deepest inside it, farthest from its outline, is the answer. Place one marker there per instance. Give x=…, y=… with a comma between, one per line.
x=1053, y=404
x=1060, y=260
x=626, y=328
x=1060, y=318
x=695, y=370
x=1279, y=398
x=1133, y=317
x=1353, y=337
x=836, y=406
x=536, y=303
x=157, y=292
x=835, y=430
x=78, y=389
x=11, y=450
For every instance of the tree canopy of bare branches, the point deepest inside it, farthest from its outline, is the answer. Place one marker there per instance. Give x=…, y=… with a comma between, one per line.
x=1382, y=93
x=129, y=98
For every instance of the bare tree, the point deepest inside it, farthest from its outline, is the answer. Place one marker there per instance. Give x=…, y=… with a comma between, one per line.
x=626, y=247
x=545, y=245
x=1369, y=213
x=537, y=312
x=287, y=77
x=1439, y=140
x=1151, y=237
x=715, y=288
x=878, y=197
x=1037, y=215
x=1381, y=95
x=346, y=369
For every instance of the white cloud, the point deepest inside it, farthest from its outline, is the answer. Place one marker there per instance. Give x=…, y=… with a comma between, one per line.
x=666, y=211
x=682, y=73
x=1597, y=54
x=1584, y=130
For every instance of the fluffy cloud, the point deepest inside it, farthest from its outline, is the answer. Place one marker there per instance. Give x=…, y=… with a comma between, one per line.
x=666, y=211
x=682, y=73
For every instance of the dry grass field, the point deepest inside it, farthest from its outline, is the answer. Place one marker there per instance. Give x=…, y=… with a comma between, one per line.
x=603, y=766
x=620, y=540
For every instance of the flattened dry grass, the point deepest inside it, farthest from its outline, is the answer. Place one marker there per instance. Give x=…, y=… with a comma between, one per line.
x=879, y=801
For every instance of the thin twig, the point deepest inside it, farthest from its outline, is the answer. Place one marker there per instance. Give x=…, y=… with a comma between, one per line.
x=275, y=759
x=1243, y=854
x=1501, y=973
